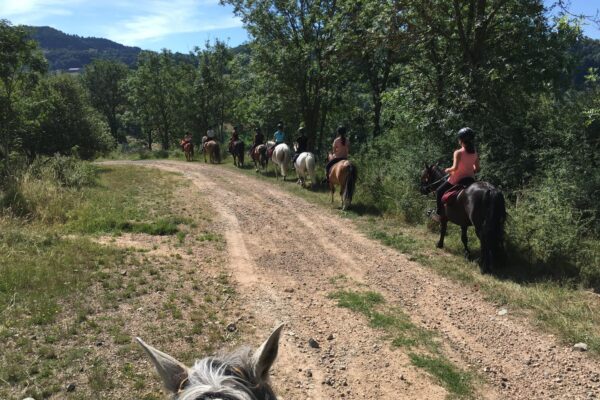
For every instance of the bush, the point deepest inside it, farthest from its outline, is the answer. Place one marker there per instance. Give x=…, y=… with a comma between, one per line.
x=48, y=189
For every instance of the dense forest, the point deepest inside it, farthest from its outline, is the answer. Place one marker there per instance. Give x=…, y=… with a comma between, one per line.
x=64, y=51
x=402, y=75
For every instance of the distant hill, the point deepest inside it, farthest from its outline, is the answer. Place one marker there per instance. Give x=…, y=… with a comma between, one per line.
x=65, y=51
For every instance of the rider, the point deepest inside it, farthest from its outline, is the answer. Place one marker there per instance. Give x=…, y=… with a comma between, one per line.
x=463, y=169
x=259, y=139
x=340, y=147
x=278, y=137
x=301, y=144
x=235, y=136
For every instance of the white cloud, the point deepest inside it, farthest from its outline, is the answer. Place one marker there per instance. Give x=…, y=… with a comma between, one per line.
x=29, y=11
x=161, y=18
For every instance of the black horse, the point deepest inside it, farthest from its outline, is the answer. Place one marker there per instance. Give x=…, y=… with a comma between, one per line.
x=237, y=151
x=480, y=205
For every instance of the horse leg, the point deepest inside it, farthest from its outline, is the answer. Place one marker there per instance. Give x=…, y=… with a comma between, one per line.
x=443, y=228
x=465, y=241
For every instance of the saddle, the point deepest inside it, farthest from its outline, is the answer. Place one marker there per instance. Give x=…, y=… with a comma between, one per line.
x=451, y=194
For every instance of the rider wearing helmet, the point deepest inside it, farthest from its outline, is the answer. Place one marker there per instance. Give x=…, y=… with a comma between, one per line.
x=340, y=149
x=301, y=144
x=235, y=136
x=259, y=139
x=463, y=169
x=279, y=136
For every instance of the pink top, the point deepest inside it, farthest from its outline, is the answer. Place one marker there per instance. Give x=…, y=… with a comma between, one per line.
x=465, y=165
x=340, y=150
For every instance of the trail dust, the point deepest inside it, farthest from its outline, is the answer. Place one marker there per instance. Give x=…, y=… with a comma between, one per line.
x=285, y=253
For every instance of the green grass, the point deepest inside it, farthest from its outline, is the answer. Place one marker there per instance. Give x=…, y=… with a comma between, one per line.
x=456, y=381
x=427, y=354
x=131, y=205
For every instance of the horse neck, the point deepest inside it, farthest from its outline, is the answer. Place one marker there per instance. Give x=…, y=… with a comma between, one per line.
x=438, y=174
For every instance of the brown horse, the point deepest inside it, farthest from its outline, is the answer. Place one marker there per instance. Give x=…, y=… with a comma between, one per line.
x=236, y=148
x=212, y=148
x=260, y=157
x=343, y=173
x=481, y=205
x=188, y=149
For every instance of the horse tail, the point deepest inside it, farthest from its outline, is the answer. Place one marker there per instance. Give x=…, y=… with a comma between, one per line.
x=311, y=167
x=350, y=184
x=493, y=227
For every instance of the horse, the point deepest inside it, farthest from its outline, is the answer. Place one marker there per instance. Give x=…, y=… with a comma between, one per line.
x=343, y=173
x=281, y=157
x=260, y=157
x=237, y=151
x=305, y=166
x=188, y=149
x=481, y=205
x=240, y=375
x=214, y=151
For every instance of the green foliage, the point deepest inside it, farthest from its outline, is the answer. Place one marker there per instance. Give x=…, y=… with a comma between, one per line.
x=65, y=123
x=456, y=381
x=105, y=82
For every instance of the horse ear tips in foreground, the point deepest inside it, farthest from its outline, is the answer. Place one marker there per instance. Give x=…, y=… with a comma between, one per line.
x=240, y=375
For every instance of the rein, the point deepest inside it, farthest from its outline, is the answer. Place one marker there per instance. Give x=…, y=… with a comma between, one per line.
x=443, y=178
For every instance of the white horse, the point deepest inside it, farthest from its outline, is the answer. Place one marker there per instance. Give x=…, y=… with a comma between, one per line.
x=305, y=166
x=281, y=156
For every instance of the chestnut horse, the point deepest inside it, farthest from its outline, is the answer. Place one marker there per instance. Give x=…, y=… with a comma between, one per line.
x=188, y=149
x=260, y=157
x=343, y=173
x=214, y=151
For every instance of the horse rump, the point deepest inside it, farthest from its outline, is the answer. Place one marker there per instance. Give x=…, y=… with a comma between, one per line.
x=350, y=184
x=492, y=231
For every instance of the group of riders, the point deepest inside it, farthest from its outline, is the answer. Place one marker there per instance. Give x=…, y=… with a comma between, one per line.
x=461, y=173
x=339, y=151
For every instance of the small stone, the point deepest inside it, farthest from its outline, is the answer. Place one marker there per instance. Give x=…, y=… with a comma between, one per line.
x=309, y=373
x=71, y=387
x=99, y=343
x=29, y=398
x=231, y=327
x=289, y=290
x=502, y=312
x=188, y=339
x=313, y=343
x=124, y=273
x=580, y=347
x=330, y=337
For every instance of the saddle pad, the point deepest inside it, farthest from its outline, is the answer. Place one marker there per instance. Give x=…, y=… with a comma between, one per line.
x=450, y=196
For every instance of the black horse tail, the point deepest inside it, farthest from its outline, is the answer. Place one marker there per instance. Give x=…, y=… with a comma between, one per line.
x=350, y=185
x=493, y=228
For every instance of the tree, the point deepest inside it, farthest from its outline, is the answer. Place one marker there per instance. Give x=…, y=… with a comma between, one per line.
x=292, y=44
x=21, y=64
x=105, y=83
x=159, y=93
x=65, y=121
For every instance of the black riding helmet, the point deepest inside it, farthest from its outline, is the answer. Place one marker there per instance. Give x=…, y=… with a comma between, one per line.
x=341, y=130
x=466, y=134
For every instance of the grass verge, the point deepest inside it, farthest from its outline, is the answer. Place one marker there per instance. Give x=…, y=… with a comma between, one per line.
x=70, y=306
x=425, y=350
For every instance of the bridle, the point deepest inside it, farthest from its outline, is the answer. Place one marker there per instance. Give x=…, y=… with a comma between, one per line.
x=442, y=179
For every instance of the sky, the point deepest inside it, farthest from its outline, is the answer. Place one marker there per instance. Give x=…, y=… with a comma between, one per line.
x=178, y=25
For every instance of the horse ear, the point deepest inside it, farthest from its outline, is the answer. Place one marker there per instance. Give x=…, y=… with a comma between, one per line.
x=265, y=355
x=172, y=372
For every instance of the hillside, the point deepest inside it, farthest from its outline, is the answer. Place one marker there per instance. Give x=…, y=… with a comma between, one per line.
x=65, y=51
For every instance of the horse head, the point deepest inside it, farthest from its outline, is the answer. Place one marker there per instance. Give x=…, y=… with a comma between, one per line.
x=431, y=177
x=240, y=375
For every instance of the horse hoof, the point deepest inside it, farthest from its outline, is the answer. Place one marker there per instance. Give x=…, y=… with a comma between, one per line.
x=439, y=245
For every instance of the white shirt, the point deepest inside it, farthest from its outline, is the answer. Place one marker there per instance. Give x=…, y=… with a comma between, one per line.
x=210, y=133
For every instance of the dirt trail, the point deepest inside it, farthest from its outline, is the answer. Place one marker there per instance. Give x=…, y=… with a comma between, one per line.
x=281, y=256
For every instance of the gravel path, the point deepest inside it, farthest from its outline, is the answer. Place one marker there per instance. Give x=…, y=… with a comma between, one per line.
x=282, y=256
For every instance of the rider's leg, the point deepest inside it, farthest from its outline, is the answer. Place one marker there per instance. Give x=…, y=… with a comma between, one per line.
x=438, y=196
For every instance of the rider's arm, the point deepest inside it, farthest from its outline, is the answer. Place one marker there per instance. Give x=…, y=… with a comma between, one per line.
x=476, y=167
x=455, y=163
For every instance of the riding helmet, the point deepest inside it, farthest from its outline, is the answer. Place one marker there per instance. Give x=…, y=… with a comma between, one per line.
x=341, y=130
x=466, y=134
x=280, y=125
